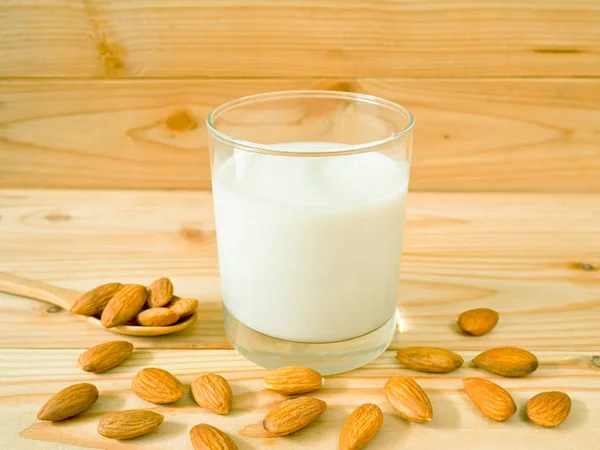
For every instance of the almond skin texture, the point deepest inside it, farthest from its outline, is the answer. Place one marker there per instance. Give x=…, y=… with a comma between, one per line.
x=477, y=322
x=124, y=306
x=429, y=359
x=160, y=292
x=93, y=302
x=549, y=409
x=213, y=393
x=507, y=361
x=184, y=307
x=157, y=317
x=360, y=427
x=157, y=386
x=293, y=380
x=69, y=402
x=205, y=437
x=129, y=424
x=293, y=415
x=105, y=356
x=408, y=399
x=489, y=398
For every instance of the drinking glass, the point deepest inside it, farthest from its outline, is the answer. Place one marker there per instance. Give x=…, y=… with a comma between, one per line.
x=309, y=191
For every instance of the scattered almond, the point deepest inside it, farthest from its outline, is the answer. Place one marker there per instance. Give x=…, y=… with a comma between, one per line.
x=105, y=356
x=129, y=424
x=293, y=415
x=184, y=307
x=477, y=322
x=408, y=399
x=160, y=292
x=93, y=302
x=429, y=359
x=548, y=409
x=157, y=317
x=124, y=306
x=157, y=386
x=213, y=393
x=206, y=437
x=360, y=427
x=507, y=361
x=489, y=398
x=293, y=380
x=69, y=402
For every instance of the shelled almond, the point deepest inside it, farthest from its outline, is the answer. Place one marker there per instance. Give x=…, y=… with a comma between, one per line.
x=207, y=437
x=157, y=386
x=507, y=361
x=477, y=322
x=360, y=427
x=105, y=356
x=129, y=424
x=549, y=409
x=408, y=399
x=489, y=398
x=213, y=393
x=293, y=380
x=293, y=415
x=69, y=402
x=429, y=359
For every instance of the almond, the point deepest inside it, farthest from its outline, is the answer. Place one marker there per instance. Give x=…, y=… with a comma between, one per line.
x=69, y=402
x=213, y=393
x=360, y=427
x=184, y=306
x=160, y=292
x=205, y=437
x=157, y=386
x=93, y=302
x=293, y=380
x=429, y=359
x=507, y=361
x=489, y=398
x=125, y=305
x=408, y=399
x=477, y=322
x=293, y=415
x=157, y=317
x=105, y=356
x=548, y=409
x=129, y=424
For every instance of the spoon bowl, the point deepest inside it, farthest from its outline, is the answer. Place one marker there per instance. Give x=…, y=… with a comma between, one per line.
x=64, y=298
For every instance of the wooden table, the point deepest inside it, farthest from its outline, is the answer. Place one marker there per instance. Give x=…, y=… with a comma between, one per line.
x=533, y=257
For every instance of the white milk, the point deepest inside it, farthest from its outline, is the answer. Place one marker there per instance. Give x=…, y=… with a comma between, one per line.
x=309, y=247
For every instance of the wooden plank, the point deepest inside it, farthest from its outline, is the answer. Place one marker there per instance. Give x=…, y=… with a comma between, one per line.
x=30, y=378
x=290, y=38
x=493, y=135
x=533, y=257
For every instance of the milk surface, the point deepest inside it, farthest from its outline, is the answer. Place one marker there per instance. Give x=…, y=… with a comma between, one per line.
x=309, y=247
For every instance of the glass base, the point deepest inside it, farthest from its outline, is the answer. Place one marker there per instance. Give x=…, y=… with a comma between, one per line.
x=327, y=358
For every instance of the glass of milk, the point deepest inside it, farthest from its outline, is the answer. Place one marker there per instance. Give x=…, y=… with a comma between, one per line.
x=309, y=193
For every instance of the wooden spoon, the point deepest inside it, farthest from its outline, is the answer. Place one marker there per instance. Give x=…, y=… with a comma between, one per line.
x=64, y=298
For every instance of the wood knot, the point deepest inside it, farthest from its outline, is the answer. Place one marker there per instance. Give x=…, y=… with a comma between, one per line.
x=596, y=361
x=58, y=217
x=54, y=309
x=181, y=122
x=192, y=235
x=586, y=267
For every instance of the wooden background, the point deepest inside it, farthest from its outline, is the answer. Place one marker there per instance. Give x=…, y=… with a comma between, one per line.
x=114, y=93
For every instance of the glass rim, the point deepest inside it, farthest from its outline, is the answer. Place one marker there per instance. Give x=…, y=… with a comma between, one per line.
x=254, y=147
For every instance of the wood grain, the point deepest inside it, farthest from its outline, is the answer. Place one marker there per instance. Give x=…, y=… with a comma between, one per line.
x=30, y=378
x=492, y=135
x=290, y=38
x=533, y=257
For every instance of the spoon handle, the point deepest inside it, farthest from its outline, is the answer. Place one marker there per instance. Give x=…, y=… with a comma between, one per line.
x=13, y=284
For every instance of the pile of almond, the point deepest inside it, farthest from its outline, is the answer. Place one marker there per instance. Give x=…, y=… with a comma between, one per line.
x=133, y=304
x=403, y=394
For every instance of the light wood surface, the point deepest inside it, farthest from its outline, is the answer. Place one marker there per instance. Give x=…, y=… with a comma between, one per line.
x=290, y=38
x=29, y=379
x=471, y=135
x=533, y=257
